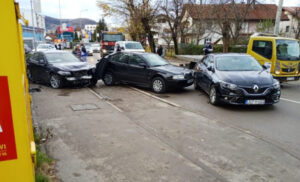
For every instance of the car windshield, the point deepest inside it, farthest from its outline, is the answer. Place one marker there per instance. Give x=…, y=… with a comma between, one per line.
x=288, y=50
x=134, y=45
x=237, y=63
x=155, y=60
x=112, y=37
x=62, y=57
x=95, y=45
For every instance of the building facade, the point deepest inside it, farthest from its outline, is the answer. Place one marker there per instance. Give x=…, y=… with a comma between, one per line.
x=90, y=28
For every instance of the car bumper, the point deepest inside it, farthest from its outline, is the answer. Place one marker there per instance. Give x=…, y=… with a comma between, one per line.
x=271, y=96
x=77, y=80
x=287, y=78
x=180, y=83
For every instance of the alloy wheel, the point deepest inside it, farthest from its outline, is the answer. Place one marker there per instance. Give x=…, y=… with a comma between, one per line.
x=157, y=85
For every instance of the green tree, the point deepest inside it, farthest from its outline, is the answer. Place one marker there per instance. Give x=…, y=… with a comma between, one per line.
x=265, y=26
x=76, y=36
x=101, y=26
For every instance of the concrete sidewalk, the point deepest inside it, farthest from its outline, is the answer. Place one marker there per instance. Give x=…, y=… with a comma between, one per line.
x=150, y=141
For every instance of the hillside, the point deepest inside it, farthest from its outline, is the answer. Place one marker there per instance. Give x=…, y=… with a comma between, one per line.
x=52, y=23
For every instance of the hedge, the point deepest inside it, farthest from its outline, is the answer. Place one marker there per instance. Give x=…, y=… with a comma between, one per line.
x=192, y=49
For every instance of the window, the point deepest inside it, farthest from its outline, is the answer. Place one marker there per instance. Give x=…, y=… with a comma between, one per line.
x=287, y=29
x=34, y=57
x=123, y=59
x=135, y=60
x=263, y=48
x=116, y=57
x=207, y=40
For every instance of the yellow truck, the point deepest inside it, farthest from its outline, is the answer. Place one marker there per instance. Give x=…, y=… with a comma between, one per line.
x=281, y=55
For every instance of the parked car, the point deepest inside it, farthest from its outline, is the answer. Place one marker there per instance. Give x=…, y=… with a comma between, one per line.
x=236, y=79
x=95, y=48
x=142, y=69
x=129, y=46
x=89, y=50
x=58, y=68
x=45, y=47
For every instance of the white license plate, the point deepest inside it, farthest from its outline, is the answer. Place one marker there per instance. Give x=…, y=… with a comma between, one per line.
x=290, y=78
x=255, y=102
x=190, y=81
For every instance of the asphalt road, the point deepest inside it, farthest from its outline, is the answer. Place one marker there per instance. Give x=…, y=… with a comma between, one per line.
x=278, y=124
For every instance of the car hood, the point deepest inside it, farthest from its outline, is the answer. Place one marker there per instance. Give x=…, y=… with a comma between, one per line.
x=172, y=69
x=246, y=78
x=135, y=50
x=75, y=66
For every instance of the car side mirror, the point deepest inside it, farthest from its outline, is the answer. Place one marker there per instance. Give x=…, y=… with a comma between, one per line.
x=210, y=68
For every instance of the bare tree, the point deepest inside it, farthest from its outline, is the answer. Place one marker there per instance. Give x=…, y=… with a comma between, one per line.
x=296, y=28
x=172, y=10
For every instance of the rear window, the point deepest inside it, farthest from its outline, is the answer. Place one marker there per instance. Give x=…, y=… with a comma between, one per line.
x=135, y=45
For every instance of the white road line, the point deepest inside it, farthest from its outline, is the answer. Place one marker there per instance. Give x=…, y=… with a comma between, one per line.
x=155, y=97
x=288, y=100
x=103, y=98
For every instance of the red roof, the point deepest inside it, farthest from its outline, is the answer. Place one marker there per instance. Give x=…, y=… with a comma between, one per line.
x=229, y=11
x=295, y=11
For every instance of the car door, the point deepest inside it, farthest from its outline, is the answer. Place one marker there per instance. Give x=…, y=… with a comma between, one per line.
x=207, y=74
x=201, y=71
x=32, y=66
x=43, y=68
x=118, y=66
x=137, y=70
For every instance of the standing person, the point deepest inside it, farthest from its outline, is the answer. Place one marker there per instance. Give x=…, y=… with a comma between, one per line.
x=160, y=50
x=77, y=52
x=83, y=53
x=59, y=46
x=119, y=48
x=208, y=48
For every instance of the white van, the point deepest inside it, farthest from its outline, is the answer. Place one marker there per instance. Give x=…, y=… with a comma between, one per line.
x=129, y=46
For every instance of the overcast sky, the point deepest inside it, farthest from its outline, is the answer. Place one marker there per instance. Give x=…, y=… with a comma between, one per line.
x=88, y=8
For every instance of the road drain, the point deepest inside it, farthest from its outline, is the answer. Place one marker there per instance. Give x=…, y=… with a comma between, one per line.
x=83, y=107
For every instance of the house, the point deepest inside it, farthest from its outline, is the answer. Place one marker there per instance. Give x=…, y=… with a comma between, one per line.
x=201, y=21
x=291, y=28
x=162, y=31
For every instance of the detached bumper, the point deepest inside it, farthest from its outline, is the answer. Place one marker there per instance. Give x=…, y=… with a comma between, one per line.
x=180, y=83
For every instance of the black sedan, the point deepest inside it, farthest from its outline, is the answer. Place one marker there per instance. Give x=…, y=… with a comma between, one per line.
x=236, y=79
x=58, y=68
x=142, y=69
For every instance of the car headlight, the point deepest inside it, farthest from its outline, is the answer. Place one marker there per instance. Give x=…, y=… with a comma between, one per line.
x=276, y=84
x=64, y=73
x=228, y=85
x=104, y=51
x=178, y=77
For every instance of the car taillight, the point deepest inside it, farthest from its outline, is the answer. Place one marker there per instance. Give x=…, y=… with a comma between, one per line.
x=277, y=67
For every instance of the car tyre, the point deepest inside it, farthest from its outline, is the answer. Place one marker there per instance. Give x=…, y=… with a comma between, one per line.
x=213, y=96
x=55, y=81
x=158, y=85
x=108, y=79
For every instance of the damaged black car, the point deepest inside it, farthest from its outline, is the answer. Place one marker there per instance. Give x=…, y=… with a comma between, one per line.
x=142, y=69
x=236, y=79
x=58, y=69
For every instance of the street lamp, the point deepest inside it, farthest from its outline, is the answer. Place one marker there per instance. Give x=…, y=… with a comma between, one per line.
x=32, y=14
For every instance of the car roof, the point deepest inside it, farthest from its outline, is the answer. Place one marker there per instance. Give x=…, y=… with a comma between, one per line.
x=228, y=54
x=127, y=41
x=55, y=51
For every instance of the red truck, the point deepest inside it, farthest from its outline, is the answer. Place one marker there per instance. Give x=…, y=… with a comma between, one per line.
x=108, y=41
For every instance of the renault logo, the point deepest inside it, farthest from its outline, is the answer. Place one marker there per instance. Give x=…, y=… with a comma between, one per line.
x=255, y=88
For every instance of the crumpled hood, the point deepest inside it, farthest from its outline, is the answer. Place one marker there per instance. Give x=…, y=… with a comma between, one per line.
x=246, y=78
x=74, y=66
x=172, y=69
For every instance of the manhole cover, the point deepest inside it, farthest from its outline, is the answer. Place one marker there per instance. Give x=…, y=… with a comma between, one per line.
x=83, y=107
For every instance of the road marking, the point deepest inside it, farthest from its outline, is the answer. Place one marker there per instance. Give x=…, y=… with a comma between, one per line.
x=105, y=100
x=288, y=100
x=155, y=97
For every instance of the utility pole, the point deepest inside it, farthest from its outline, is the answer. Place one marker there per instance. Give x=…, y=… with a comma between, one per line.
x=278, y=17
x=33, y=28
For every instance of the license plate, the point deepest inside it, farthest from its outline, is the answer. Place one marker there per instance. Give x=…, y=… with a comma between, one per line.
x=255, y=102
x=190, y=81
x=290, y=78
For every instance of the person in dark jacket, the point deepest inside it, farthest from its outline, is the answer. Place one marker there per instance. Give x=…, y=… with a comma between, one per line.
x=160, y=50
x=119, y=48
x=208, y=48
x=84, y=53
